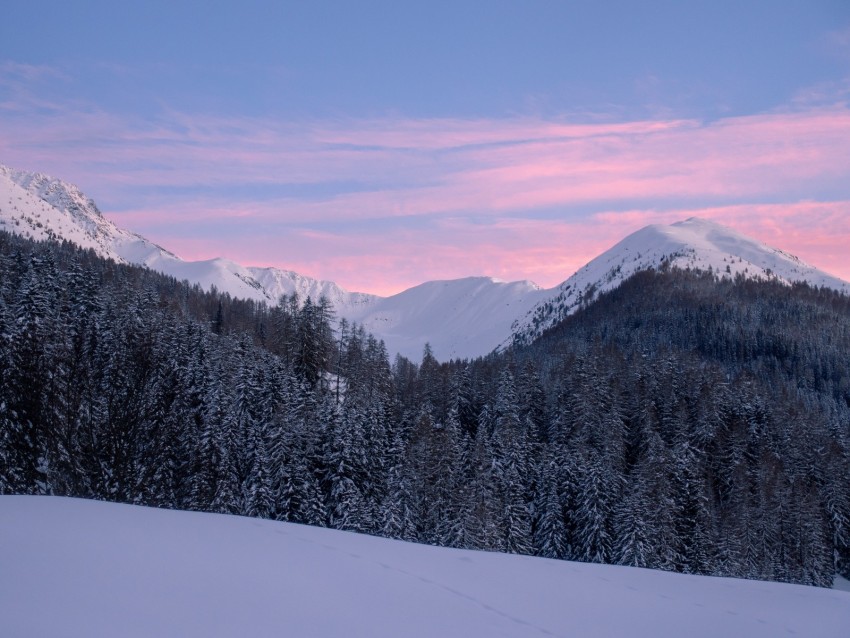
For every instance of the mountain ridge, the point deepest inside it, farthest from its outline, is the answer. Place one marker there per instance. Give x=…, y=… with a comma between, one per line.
x=459, y=318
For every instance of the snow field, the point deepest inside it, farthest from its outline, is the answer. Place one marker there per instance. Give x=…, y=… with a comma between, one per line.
x=71, y=567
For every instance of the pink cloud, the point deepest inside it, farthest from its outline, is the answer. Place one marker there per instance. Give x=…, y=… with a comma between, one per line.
x=443, y=134
x=544, y=251
x=476, y=182
x=553, y=162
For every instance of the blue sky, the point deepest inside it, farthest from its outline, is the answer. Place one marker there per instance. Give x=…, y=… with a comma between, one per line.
x=494, y=137
x=434, y=59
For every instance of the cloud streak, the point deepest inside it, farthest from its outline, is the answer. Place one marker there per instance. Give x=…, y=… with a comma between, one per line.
x=381, y=204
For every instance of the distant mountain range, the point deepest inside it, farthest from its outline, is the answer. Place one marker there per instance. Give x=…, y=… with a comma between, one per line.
x=460, y=318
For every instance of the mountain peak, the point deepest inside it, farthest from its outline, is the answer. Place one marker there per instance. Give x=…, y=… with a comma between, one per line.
x=42, y=207
x=698, y=222
x=695, y=243
x=62, y=195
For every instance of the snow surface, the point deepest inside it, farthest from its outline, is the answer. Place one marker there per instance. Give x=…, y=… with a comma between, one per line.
x=71, y=567
x=460, y=318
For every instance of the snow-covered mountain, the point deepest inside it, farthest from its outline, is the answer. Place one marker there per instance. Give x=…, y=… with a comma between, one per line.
x=695, y=243
x=460, y=318
x=42, y=207
x=87, y=568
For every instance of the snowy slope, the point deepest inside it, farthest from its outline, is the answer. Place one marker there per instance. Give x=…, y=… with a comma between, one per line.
x=694, y=243
x=460, y=318
x=80, y=568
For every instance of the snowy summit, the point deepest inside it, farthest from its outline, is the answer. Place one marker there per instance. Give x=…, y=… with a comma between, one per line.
x=695, y=243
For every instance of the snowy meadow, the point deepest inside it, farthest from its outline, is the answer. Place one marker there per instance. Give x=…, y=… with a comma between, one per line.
x=81, y=568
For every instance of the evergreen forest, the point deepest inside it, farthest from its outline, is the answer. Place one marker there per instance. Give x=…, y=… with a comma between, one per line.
x=682, y=422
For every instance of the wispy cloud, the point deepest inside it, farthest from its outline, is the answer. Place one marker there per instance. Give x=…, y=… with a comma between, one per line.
x=11, y=71
x=383, y=203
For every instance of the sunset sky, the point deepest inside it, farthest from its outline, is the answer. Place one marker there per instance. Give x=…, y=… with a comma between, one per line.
x=382, y=144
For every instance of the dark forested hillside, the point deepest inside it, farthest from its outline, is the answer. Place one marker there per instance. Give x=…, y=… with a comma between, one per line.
x=679, y=422
x=721, y=411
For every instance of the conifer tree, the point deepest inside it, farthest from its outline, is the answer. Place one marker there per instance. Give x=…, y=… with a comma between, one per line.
x=550, y=537
x=258, y=496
